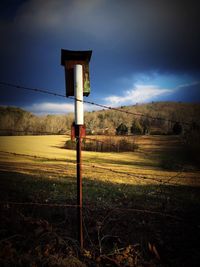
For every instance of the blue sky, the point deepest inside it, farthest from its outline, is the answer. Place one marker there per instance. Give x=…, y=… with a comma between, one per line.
x=143, y=50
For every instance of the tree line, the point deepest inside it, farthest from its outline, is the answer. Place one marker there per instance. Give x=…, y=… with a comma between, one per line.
x=109, y=122
x=142, y=129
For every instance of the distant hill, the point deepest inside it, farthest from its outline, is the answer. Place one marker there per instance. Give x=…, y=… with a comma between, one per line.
x=108, y=120
x=17, y=121
x=103, y=121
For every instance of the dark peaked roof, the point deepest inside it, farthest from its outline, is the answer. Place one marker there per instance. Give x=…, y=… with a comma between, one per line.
x=75, y=55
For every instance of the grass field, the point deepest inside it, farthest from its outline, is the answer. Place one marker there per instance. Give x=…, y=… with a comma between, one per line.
x=150, y=196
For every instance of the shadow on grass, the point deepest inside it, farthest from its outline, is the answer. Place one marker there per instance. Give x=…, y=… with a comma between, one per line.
x=15, y=186
x=172, y=158
x=116, y=214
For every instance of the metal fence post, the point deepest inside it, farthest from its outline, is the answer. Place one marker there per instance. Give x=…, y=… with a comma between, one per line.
x=78, y=86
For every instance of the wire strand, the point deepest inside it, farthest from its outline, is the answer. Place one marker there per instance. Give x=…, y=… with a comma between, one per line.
x=86, y=207
x=92, y=165
x=44, y=91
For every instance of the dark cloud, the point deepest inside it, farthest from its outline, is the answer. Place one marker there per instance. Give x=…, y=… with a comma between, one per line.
x=188, y=93
x=126, y=36
x=152, y=34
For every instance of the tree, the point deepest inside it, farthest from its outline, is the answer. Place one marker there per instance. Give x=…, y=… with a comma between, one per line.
x=195, y=126
x=122, y=129
x=146, y=124
x=177, y=128
x=136, y=128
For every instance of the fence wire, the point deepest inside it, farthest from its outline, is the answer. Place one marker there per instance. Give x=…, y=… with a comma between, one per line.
x=135, y=209
x=44, y=91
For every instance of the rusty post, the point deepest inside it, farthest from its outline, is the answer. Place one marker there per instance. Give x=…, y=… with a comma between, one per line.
x=76, y=65
x=79, y=121
x=79, y=184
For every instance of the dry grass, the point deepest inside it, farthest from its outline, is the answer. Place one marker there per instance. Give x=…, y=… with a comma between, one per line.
x=36, y=169
x=43, y=154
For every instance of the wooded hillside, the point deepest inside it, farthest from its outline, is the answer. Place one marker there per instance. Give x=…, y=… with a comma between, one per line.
x=104, y=121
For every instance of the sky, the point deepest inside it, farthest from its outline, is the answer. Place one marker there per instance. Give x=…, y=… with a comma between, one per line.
x=143, y=51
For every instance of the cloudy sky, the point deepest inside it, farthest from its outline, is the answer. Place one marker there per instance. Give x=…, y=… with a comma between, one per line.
x=143, y=50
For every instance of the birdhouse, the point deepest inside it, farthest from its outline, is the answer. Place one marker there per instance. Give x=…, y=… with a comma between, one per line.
x=71, y=58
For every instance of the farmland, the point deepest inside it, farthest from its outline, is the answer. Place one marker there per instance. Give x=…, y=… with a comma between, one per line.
x=149, y=197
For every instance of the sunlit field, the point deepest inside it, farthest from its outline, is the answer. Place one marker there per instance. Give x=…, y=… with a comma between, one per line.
x=149, y=196
x=44, y=154
x=153, y=166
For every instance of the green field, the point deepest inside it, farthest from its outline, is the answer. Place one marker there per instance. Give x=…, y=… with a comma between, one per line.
x=150, y=196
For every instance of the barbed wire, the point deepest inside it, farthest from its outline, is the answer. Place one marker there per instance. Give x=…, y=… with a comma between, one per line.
x=38, y=204
x=38, y=90
x=30, y=156
x=135, y=176
x=91, y=206
x=118, y=209
x=44, y=91
x=91, y=165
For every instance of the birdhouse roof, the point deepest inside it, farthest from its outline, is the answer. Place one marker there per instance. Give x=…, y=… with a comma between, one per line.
x=67, y=55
